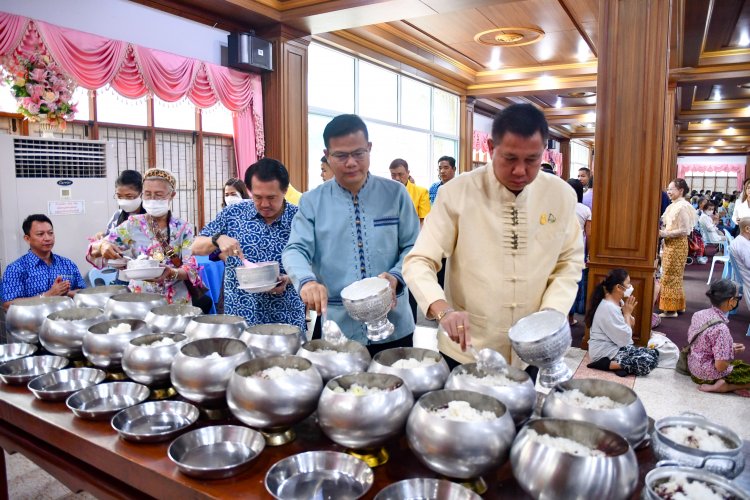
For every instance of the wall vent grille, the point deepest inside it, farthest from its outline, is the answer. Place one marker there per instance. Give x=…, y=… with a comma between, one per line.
x=44, y=158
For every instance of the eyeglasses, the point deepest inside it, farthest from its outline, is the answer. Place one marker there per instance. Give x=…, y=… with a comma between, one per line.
x=342, y=157
x=155, y=197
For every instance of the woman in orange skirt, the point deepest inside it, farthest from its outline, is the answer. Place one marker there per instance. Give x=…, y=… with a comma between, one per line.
x=679, y=219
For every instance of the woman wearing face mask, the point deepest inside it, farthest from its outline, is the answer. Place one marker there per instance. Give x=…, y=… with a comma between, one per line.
x=157, y=235
x=708, y=225
x=234, y=192
x=610, y=319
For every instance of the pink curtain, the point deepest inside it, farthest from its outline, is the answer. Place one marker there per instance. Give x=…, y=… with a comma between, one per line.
x=133, y=71
x=737, y=169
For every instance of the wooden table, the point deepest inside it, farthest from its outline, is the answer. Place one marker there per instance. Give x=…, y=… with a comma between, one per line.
x=87, y=455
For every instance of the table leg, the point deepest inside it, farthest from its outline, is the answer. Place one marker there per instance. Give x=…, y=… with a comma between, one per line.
x=3, y=477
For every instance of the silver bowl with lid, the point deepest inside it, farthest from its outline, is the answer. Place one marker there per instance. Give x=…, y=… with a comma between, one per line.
x=97, y=296
x=25, y=316
x=62, y=332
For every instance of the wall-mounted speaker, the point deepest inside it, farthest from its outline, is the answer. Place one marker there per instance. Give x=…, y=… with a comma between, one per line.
x=247, y=52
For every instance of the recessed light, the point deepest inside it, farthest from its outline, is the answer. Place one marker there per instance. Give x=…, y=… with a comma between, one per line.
x=730, y=130
x=744, y=39
x=711, y=150
x=558, y=103
x=591, y=116
x=719, y=142
x=708, y=122
x=583, y=53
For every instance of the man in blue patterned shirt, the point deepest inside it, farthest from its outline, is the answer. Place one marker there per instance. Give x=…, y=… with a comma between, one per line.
x=446, y=172
x=40, y=272
x=353, y=227
x=257, y=232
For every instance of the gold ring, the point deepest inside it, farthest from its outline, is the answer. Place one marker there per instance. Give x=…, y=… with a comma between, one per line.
x=460, y=327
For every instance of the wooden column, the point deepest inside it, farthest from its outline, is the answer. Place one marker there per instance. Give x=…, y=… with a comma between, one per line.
x=285, y=102
x=632, y=95
x=565, y=151
x=465, y=133
x=669, y=153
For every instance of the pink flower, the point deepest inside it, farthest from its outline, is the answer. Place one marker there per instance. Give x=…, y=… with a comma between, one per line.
x=50, y=96
x=32, y=108
x=38, y=74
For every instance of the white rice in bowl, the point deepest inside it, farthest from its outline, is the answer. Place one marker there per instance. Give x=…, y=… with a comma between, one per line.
x=575, y=397
x=695, y=437
x=682, y=488
x=462, y=411
x=276, y=372
x=565, y=445
x=410, y=363
x=496, y=379
x=162, y=342
x=121, y=328
x=213, y=355
x=359, y=390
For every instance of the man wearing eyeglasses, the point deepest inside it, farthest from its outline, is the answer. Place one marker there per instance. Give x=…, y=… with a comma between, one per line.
x=357, y=226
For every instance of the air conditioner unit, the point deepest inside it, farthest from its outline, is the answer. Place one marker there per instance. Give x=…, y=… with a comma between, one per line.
x=249, y=53
x=71, y=181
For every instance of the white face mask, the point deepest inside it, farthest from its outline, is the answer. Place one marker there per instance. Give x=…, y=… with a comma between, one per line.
x=628, y=291
x=129, y=205
x=156, y=208
x=709, y=212
x=232, y=200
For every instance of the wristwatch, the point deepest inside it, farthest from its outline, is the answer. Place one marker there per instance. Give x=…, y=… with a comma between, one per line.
x=215, y=240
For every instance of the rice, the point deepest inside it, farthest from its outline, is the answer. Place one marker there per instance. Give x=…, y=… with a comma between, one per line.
x=408, y=363
x=162, y=342
x=695, y=437
x=213, y=355
x=681, y=488
x=462, y=411
x=121, y=328
x=577, y=398
x=359, y=390
x=276, y=372
x=491, y=380
x=564, y=445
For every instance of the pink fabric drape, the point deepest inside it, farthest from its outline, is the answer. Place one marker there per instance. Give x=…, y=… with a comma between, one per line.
x=738, y=169
x=133, y=71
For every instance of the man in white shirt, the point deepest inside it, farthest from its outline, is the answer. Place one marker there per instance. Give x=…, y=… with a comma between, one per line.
x=739, y=252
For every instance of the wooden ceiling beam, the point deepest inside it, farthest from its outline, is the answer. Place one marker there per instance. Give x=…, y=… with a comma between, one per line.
x=717, y=114
x=581, y=31
x=530, y=85
x=569, y=111
x=697, y=17
x=710, y=74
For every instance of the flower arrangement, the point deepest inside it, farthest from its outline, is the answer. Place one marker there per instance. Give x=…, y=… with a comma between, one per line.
x=41, y=88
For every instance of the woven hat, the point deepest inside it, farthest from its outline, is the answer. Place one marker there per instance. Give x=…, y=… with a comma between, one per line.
x=157, y=173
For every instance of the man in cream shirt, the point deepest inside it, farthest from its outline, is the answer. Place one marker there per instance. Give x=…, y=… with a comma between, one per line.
x=511, y=239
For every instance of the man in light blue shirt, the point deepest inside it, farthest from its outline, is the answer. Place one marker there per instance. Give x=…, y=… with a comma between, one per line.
x=356, y=227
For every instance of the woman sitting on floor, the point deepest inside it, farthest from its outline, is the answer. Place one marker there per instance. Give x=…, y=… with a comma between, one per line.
x=711, y=359
x=610, y=320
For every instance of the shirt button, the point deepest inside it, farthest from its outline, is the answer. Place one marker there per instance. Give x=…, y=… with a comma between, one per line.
x=513, y=305
x=512, y=252
x=359, y=244
x=357, y=222
x=513, y=279
x=362, y=268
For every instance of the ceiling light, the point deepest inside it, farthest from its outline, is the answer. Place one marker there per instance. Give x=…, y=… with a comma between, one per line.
x=558, y=103
x=717, y=95
x=583, y=53
x=708, y=122
x=494, y=59
x=711, y=150
x=744, y=39
x=546, y=81
x=718, y=142
x=590, y=116
x=730, y=130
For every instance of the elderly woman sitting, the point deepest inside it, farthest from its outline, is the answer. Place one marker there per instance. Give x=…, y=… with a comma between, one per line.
x=711, y=359
x=157, y=235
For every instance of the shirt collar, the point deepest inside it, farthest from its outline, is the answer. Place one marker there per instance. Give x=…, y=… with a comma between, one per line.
x=347, y=192
x=36, y=260
x=724, y=315
x=254, y=214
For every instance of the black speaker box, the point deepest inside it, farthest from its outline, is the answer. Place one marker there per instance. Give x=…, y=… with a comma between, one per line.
x=247, y=52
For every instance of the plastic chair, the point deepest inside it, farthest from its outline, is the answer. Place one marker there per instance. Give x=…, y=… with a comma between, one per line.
x=734, y=275
x=99, y=277
x=724, y=258
x=729, y=265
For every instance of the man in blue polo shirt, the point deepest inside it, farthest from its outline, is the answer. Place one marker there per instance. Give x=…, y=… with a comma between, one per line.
x=40, y=272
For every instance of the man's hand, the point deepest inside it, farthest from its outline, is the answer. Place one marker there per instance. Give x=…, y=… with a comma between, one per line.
x=737, y=347
x=109, y=251
x=394, y=284
x=455, y=324
x=229, y=246
x=315, y=296
x=284, y=281
x=59, y=287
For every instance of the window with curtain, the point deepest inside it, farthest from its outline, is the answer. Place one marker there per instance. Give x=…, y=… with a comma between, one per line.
x=179, y=115
x=111, y=107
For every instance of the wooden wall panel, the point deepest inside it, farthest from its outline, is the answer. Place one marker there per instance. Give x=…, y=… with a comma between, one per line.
x=465, y=133
x=565, y=151
x=669, y=152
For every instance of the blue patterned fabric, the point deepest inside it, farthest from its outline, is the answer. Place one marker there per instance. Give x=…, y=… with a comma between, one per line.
x=433, y=191
x=260, y=242
x=30, y=276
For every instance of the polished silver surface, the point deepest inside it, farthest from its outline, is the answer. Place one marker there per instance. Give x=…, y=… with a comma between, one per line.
x=154, y=421
x=104, y=349
x=58, y=385
x=489, y=360
x=729, y=463
x=319, y=475
x=629, y=421
x=662, y=475
x=459, y=449
x=541, y=339
x=366, y=421
x=151, y=365
x=16, y=350
x=372, y=310
x=275, y=339
x=426, y=489
x=279, y=402
x=133, y=305
x=546, y=472
x=204, y=380
x=101, y=402
x=62, y=332
x=215, y=325
x=172, y=318
x=420, y=379
x=25, y=316
x=332, y=360
x=20, y=371
x=98, y=296
x=216, y=452
x=519, y=398
x=262, y=273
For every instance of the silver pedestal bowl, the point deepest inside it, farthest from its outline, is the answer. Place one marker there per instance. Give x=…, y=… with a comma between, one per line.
x=456, y=447
x=104, y=349
x=364, y=420
x=429, y=373
x=97, y=296
x=202, y=369
x=369, y=300
x=25, y=316
x=332, y=360
x=173, y=318
x=62, y=332
x=209, y=326
x=272, y=394
x=272, y=339
x=133, y=305
x=150, y=364
x=541, y=339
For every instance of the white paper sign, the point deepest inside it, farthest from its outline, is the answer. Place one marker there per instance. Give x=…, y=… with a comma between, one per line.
x=68, y=207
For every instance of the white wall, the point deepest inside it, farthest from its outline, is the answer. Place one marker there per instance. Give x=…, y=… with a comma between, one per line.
x=482, y=123
x=129, y=22
x=710, y=160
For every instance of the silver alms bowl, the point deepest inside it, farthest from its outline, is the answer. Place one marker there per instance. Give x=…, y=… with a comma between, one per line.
x=62, y=332
x=369, y=300
x=420, y=379
x=98, y=296
x=661, y=475
x=208, y=326
x=25, y=316
x=105, y=349
x=151, y=365
x=133, y=305
x=173, y=318
x=275, y=339
x=541, y=339
x=332, y=360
